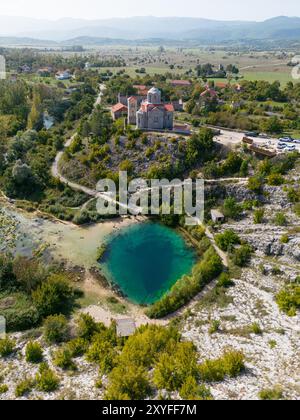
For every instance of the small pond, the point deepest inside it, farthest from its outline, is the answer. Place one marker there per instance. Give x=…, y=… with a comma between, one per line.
x=145, y=261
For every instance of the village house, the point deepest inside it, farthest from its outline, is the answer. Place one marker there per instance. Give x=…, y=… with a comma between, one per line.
x=64, y=75
x=180, y=83
x=25, y=69
x=44, y=72
x=118, y=111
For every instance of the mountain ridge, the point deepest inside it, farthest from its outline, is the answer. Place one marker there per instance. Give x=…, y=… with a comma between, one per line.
x=148, y=27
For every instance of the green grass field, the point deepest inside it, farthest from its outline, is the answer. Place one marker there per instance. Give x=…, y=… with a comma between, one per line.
x=269, y=76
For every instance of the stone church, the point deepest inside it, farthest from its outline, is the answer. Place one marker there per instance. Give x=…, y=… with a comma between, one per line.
x=153, y=114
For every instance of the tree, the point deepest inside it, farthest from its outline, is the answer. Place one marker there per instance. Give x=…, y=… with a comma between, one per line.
x=35, y=117
x=54, y=296
x=199, y=147
x=21, y=173
x=272, y=125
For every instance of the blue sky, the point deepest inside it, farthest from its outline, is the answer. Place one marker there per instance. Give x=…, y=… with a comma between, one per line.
x=94, y=9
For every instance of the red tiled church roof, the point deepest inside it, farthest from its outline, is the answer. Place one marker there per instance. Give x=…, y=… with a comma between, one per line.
x=149, y=107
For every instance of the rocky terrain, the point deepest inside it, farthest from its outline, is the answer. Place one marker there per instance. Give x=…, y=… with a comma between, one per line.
x=245, y=317
x=142, y=153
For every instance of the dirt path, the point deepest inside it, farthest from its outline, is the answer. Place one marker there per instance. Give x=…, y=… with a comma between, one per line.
x=221, y=253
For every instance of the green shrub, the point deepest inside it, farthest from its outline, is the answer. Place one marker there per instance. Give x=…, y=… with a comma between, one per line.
x=255, y=184
x=33, y=352
x=242, y=255
x=7, y=347
x=20, y=314
x=230, y=364
x=280, y=219
x=55, y=329
x=231, y=208
x=293, y=195
x=129, y=382
x=99, y=383
x=271, y=394
x=3, y=388
x=288, y=299
x=214, y=326
x=259, y=216
x=46, y=379
x=275, y=179
x=77, y=347
x=55, y=296
x=63, y=359
x=190, y=390
x=225, y=281
x=24, y=387
x=227, y=240
x=297, y=209
x=173, y=368
x=103, y=351
x=285, y=239
x=86, y=326
x=256, y=329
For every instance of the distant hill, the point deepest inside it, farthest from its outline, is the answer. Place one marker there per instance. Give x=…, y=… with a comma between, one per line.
x=143, y=28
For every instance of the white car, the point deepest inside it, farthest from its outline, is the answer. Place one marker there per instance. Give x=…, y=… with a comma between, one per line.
x=286, y=139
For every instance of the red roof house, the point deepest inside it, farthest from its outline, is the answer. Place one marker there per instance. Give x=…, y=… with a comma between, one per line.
x=180, y=83
x=118, y=111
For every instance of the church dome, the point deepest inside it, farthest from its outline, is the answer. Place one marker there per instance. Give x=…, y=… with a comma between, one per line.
x=154, y=91
x=154, y=96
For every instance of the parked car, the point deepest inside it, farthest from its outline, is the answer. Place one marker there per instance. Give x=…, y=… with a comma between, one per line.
x=287, y=139
x=263, y=136
x=251, y=134
x=291, y=148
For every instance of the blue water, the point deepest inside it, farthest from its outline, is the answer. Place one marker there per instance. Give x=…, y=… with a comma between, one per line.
x=146, y=260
